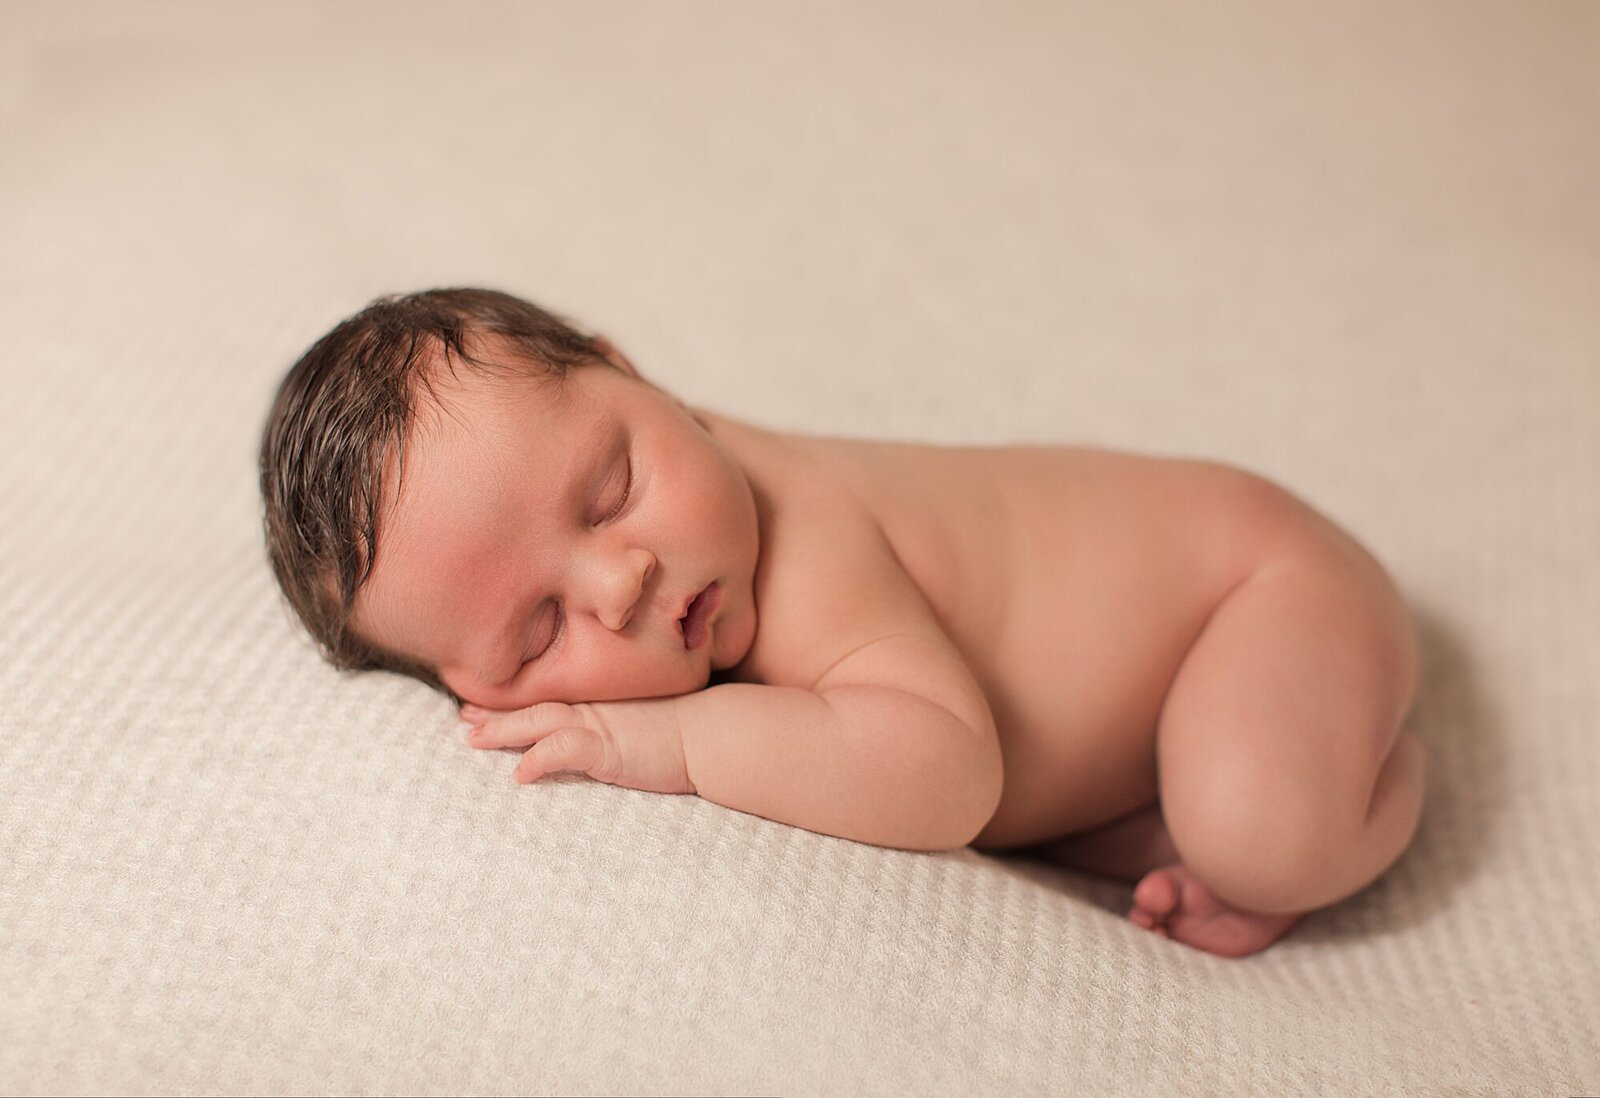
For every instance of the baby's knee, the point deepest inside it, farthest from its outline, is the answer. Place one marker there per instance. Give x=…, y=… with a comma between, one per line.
x=1259, y=852
x=1274, y=849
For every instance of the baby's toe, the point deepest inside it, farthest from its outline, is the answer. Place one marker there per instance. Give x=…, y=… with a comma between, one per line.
x=1154, y=898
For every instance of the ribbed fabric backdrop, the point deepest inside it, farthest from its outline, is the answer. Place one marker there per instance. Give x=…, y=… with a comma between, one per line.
x=1355, y=247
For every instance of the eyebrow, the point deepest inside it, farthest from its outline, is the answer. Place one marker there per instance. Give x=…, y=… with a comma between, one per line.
x=608, y=438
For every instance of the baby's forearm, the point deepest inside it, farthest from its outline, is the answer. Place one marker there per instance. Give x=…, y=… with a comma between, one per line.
x=866, y=763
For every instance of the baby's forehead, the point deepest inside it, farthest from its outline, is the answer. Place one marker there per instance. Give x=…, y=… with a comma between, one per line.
x=494, y=371
x=467, y=426
x=492, y=404
x=483, y=457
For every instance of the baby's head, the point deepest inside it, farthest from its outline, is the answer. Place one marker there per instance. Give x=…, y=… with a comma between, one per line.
x=461, y=487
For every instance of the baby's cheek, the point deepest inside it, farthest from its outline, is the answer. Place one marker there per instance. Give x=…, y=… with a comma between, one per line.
x=734, y=636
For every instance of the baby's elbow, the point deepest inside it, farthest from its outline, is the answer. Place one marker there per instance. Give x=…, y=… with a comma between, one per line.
x=942, y=777
x=980, y=784
x=988, y=786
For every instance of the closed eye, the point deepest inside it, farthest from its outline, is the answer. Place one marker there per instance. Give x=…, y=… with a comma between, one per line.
x=557, y=630
x=627, y=492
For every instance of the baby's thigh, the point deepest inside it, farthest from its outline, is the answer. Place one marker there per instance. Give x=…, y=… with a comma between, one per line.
x=1286, y=708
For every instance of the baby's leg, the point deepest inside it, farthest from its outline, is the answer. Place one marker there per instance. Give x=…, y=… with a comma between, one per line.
x=1126, y=848
x=1285, y=781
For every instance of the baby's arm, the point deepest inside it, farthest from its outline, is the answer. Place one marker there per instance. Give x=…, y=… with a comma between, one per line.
x=867, y=754
x=893, y=746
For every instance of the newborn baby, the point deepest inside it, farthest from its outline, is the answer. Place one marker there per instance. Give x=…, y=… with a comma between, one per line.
x=1171, y=672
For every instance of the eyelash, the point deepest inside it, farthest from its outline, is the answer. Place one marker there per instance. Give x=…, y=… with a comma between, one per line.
x=627, y=494
x=556, y=633
x=561, y=616
x=555, y=636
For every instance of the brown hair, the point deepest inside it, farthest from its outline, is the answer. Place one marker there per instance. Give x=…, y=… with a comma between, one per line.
x=345, y=406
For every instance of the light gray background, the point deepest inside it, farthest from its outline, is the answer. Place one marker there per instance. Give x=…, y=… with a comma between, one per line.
x=1355, y=247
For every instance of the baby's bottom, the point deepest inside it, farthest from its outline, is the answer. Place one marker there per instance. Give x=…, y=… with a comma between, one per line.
x=1285, y=782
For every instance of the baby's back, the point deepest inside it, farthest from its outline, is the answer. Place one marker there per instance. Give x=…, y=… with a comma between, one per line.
x=1072, y=581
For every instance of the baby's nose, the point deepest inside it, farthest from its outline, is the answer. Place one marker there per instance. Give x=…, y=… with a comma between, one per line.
x=628, y=582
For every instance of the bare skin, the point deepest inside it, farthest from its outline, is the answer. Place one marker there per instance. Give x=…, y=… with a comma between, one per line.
x=1079, y=584
x=1196, y=681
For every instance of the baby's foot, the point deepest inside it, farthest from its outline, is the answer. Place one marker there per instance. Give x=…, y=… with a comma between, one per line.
x=1173, y=903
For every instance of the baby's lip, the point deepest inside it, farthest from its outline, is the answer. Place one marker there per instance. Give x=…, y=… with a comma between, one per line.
x=688, y=601
x=706, y=598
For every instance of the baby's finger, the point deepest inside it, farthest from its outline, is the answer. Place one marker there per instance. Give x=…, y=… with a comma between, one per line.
x=568, y=748
x=522, y=727
x=477, y=714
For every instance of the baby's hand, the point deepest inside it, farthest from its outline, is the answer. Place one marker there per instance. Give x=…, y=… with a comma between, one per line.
x=636, y=744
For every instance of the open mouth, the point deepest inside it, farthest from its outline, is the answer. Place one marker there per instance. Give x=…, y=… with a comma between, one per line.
x=695, y=623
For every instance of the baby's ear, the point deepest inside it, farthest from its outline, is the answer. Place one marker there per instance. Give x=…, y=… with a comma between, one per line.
x=614, y=356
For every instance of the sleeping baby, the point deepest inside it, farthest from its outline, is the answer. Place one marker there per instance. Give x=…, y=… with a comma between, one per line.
x=1172, y=672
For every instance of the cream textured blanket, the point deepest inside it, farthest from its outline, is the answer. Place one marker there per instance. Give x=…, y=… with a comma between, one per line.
x=1354, y=247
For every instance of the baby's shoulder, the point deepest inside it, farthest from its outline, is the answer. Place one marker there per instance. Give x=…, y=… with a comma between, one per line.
x=812, y=510
x=828, y=581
